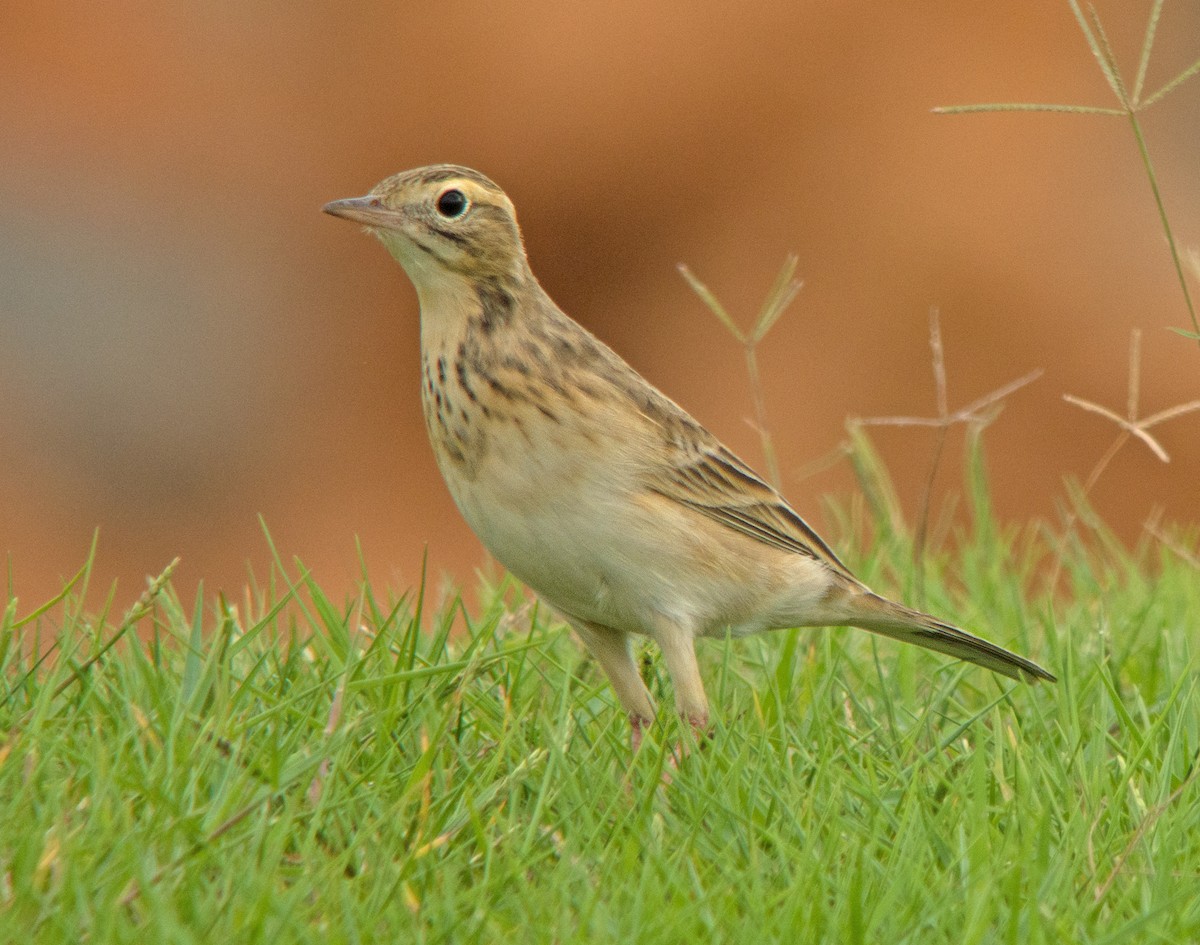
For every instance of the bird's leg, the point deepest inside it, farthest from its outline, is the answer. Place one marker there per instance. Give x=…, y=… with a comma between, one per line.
x=679, y=652
x=636, y=725
x=611, y=649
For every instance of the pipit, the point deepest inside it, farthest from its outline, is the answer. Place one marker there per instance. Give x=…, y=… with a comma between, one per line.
x=587, y=483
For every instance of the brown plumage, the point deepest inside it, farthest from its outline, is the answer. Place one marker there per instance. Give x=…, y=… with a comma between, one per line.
x=589, y=484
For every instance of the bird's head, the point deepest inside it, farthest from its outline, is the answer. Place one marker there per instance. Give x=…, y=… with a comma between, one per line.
x=442, y=220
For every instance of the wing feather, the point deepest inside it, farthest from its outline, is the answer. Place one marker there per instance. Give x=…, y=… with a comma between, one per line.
x=711, y=480
x=694, y=469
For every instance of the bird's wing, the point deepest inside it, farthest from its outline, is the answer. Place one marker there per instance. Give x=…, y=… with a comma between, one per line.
x=710, y=479
x=692, y=467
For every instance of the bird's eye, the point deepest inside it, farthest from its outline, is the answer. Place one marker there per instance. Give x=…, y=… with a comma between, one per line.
x=452, y=204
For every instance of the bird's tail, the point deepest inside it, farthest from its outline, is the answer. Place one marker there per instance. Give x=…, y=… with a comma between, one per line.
x=880, y=615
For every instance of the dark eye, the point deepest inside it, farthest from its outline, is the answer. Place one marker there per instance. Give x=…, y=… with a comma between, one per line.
x=453, y=203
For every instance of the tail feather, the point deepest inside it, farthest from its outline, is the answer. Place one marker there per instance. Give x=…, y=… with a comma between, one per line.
x=880, y=615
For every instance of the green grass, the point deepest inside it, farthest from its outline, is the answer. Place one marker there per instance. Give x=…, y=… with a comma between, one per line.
x=267, y=772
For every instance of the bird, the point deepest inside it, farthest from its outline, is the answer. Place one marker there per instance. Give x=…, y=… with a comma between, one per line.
x=590, y=485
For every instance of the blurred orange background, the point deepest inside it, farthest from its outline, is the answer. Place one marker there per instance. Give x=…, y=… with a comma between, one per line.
x=186, y=342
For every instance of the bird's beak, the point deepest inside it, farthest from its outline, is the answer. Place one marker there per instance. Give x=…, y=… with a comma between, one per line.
x=369, y=211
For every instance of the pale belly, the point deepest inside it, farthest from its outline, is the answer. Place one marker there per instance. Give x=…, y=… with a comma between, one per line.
x=553, y=529
x=597, y=548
